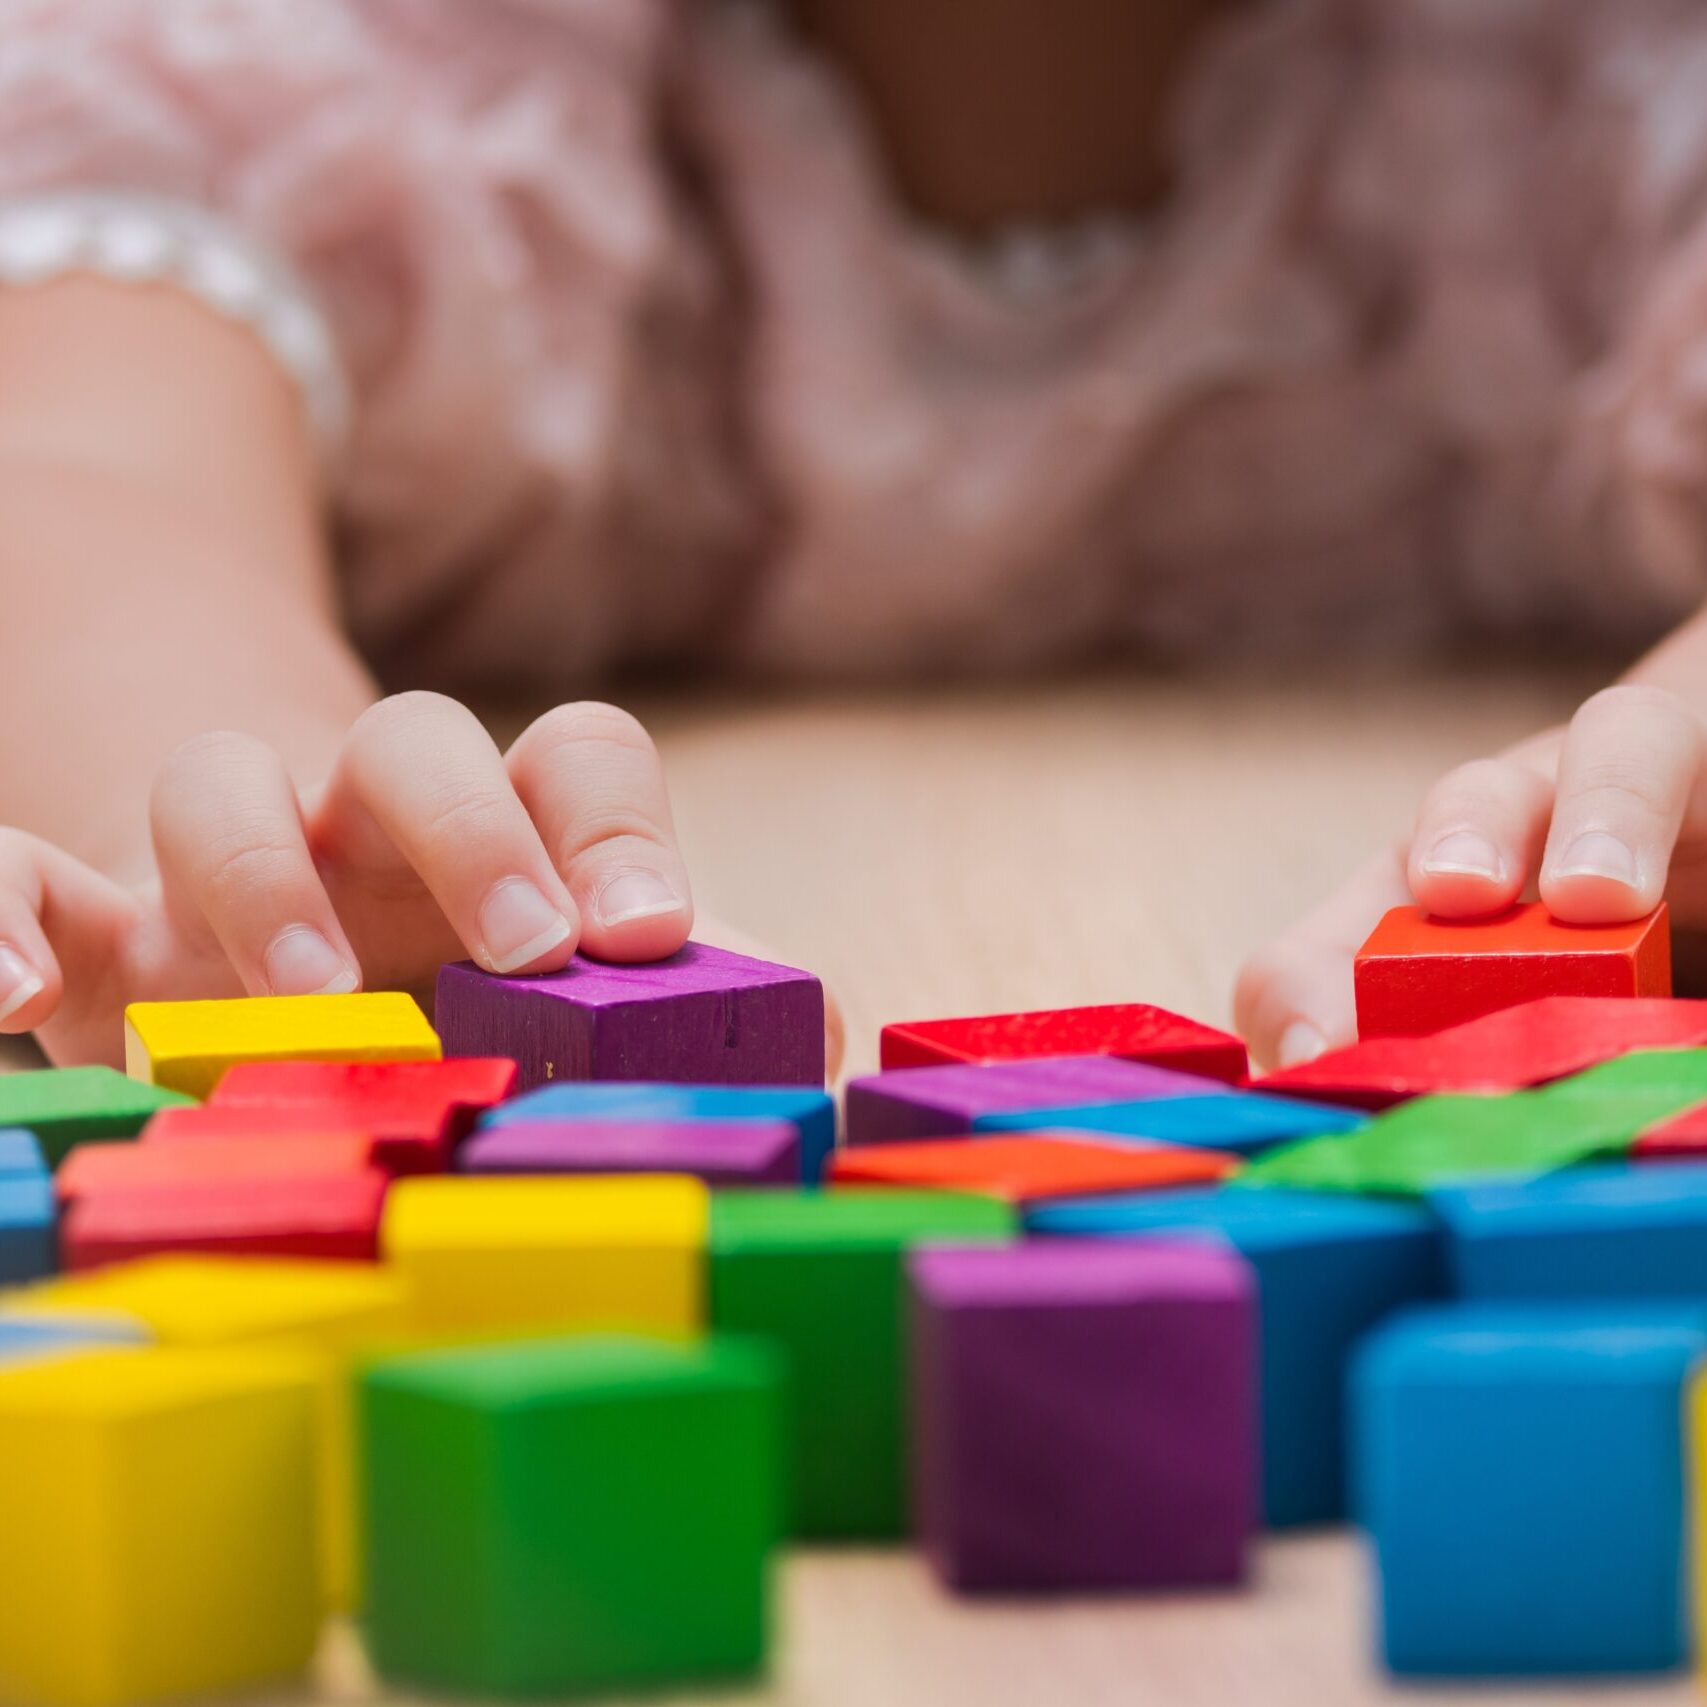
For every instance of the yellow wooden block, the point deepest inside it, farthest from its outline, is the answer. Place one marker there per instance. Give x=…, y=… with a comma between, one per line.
x=159, y=1525
x=329, y=1311
x=186, y=1046
x=612, y=1254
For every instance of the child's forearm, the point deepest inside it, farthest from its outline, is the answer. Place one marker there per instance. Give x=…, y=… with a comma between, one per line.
x=162, y=568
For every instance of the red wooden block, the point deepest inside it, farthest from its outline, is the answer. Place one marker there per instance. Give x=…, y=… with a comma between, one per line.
x=1029, y=1166
x=334, y=1218
x=1511, y=1049
x=1135, y=1031
x=197, y=1123
x=417, y=1111
x=1680, y=1138
x=256, y=1165
x=1418, y=974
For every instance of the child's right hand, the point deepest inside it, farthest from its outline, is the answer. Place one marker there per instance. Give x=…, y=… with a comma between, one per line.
x=423, y=844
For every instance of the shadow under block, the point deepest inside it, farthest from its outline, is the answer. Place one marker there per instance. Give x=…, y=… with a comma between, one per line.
x=1135, y=1031
x=64, y=1106
x=186, y=1046
x=571, y=1515
x=160, y=1533
x=1520, y=1471
x=938, y=1102
x=705, y=1016
x=1084, y=1414
x=1328, y=1268
x=1244, y=1123
x=820, y=1275
x=616, y=1255
x=28, y=1240
x=1416, y=974
x=1510, y=1049
x=719, y=1152
x=1025, y=1169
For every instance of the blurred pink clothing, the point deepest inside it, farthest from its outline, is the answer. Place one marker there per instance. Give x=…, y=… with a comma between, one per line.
x=648, y=366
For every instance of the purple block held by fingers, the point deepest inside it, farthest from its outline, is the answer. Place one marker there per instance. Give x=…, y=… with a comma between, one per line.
x=1084, y=1414
x=720, y=1152
x=704, y=1016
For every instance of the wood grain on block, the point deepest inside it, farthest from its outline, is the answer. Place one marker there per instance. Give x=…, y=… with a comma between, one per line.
x=720, y=1152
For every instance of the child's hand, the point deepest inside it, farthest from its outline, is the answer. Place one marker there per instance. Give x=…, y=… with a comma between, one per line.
x=424, y=844
x=1603, y=819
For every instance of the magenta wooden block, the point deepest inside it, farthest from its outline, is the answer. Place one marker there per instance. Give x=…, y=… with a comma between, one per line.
x=704, y=1016
x=938, y=1102
x=1084, y=1414
x=720, y=1152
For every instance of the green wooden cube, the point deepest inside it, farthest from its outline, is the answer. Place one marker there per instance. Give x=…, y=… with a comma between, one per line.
x=559, y=1516
x=820, y=1273
x=79, y=1105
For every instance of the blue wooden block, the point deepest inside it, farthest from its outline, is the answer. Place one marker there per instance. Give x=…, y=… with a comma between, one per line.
x=23, y=1339
x=27, y=1241
x=20, y=1154
x=1328, y=1267
x=1245, y=1122
x=1612, y=1231
x=1520, y=1470
x=812, y=1112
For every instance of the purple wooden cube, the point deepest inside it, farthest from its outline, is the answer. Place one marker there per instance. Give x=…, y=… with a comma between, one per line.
x=704, y=1016
x=1084, y=1414
x=939, y=1102
x=720, y=1152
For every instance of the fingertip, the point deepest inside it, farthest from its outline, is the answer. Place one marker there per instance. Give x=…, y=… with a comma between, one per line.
x=1463, y=875
x=1587, y=898
x=522, y=930
x=1301, y=1041
x=637, y=914
x=28, y=995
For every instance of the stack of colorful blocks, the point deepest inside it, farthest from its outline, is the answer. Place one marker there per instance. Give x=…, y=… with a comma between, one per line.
x=529, y=1338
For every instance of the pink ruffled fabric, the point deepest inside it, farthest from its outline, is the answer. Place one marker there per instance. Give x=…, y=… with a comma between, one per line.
x=649, y=366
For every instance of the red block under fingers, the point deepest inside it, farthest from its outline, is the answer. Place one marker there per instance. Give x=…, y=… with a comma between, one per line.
x=254, y=1165
x=1418, y=974
x=1135, y=1031
x=334, y=1218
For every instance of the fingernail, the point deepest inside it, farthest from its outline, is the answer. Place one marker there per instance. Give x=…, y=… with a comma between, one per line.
x=301, y=962
x=1462, y=853
x=634, y=895
x=19, y=981
x=518, y=924
x=1300, y=1041
x=1596, y=854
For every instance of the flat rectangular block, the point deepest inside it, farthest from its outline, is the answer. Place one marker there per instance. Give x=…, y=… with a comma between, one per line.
x=256, y=1163
x=1417, y=974
x=1520, y=1473
x=1328, y=1268
x=1244, y=1123
x=1084, y=1414
x=187, y=1046
x=63, y=1106
x=26, y=1227
x=720, y=1152
x=705, y=1016
x=1135, y=1031
x=622, y=1254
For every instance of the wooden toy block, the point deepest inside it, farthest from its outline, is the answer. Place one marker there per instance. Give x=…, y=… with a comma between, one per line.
x=203, y=1121
x=812, y=1112
x=820, y=1275
x=255, y=1164
x=417, y=1111
x=159, y=1525
x=1030, y=1168
x=1135, y=1031
x=188, y=1045
x=21, y=1155
x=63, y=1106
x=1084, y=1414
x=1521, y=1476
x=571, y=1516
x=26, y=1227
x=937, y=1102
x=704, y=1016
x=23, y=1341
x=1626, y=1096
x=1418, y=974
x=622, y=1255
x=1509, y=1049
x=1328, y=1268
x=720, y=1152
x=1674, y=1138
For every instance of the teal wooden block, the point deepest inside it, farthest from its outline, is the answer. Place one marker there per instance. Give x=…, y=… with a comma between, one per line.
x=1246, y=1123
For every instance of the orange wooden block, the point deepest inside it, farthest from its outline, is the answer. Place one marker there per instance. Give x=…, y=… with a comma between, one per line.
x=99, y=1169
x=1029, y=1166
x=1416, y=974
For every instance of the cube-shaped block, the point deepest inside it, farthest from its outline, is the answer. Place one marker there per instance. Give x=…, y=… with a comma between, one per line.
x=621, y=1255
x=703, y=1016
x=1327, y=1269
x=1417, y=974
x=820, y=1275
x=159, y=1525
x=720, y=1152
x=1084, y=1414
x=27, y=1229
x=570, y=1515
x=64, y=1106
x=187, y=1046
x=1244, y=1122
x=1520, y=1470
